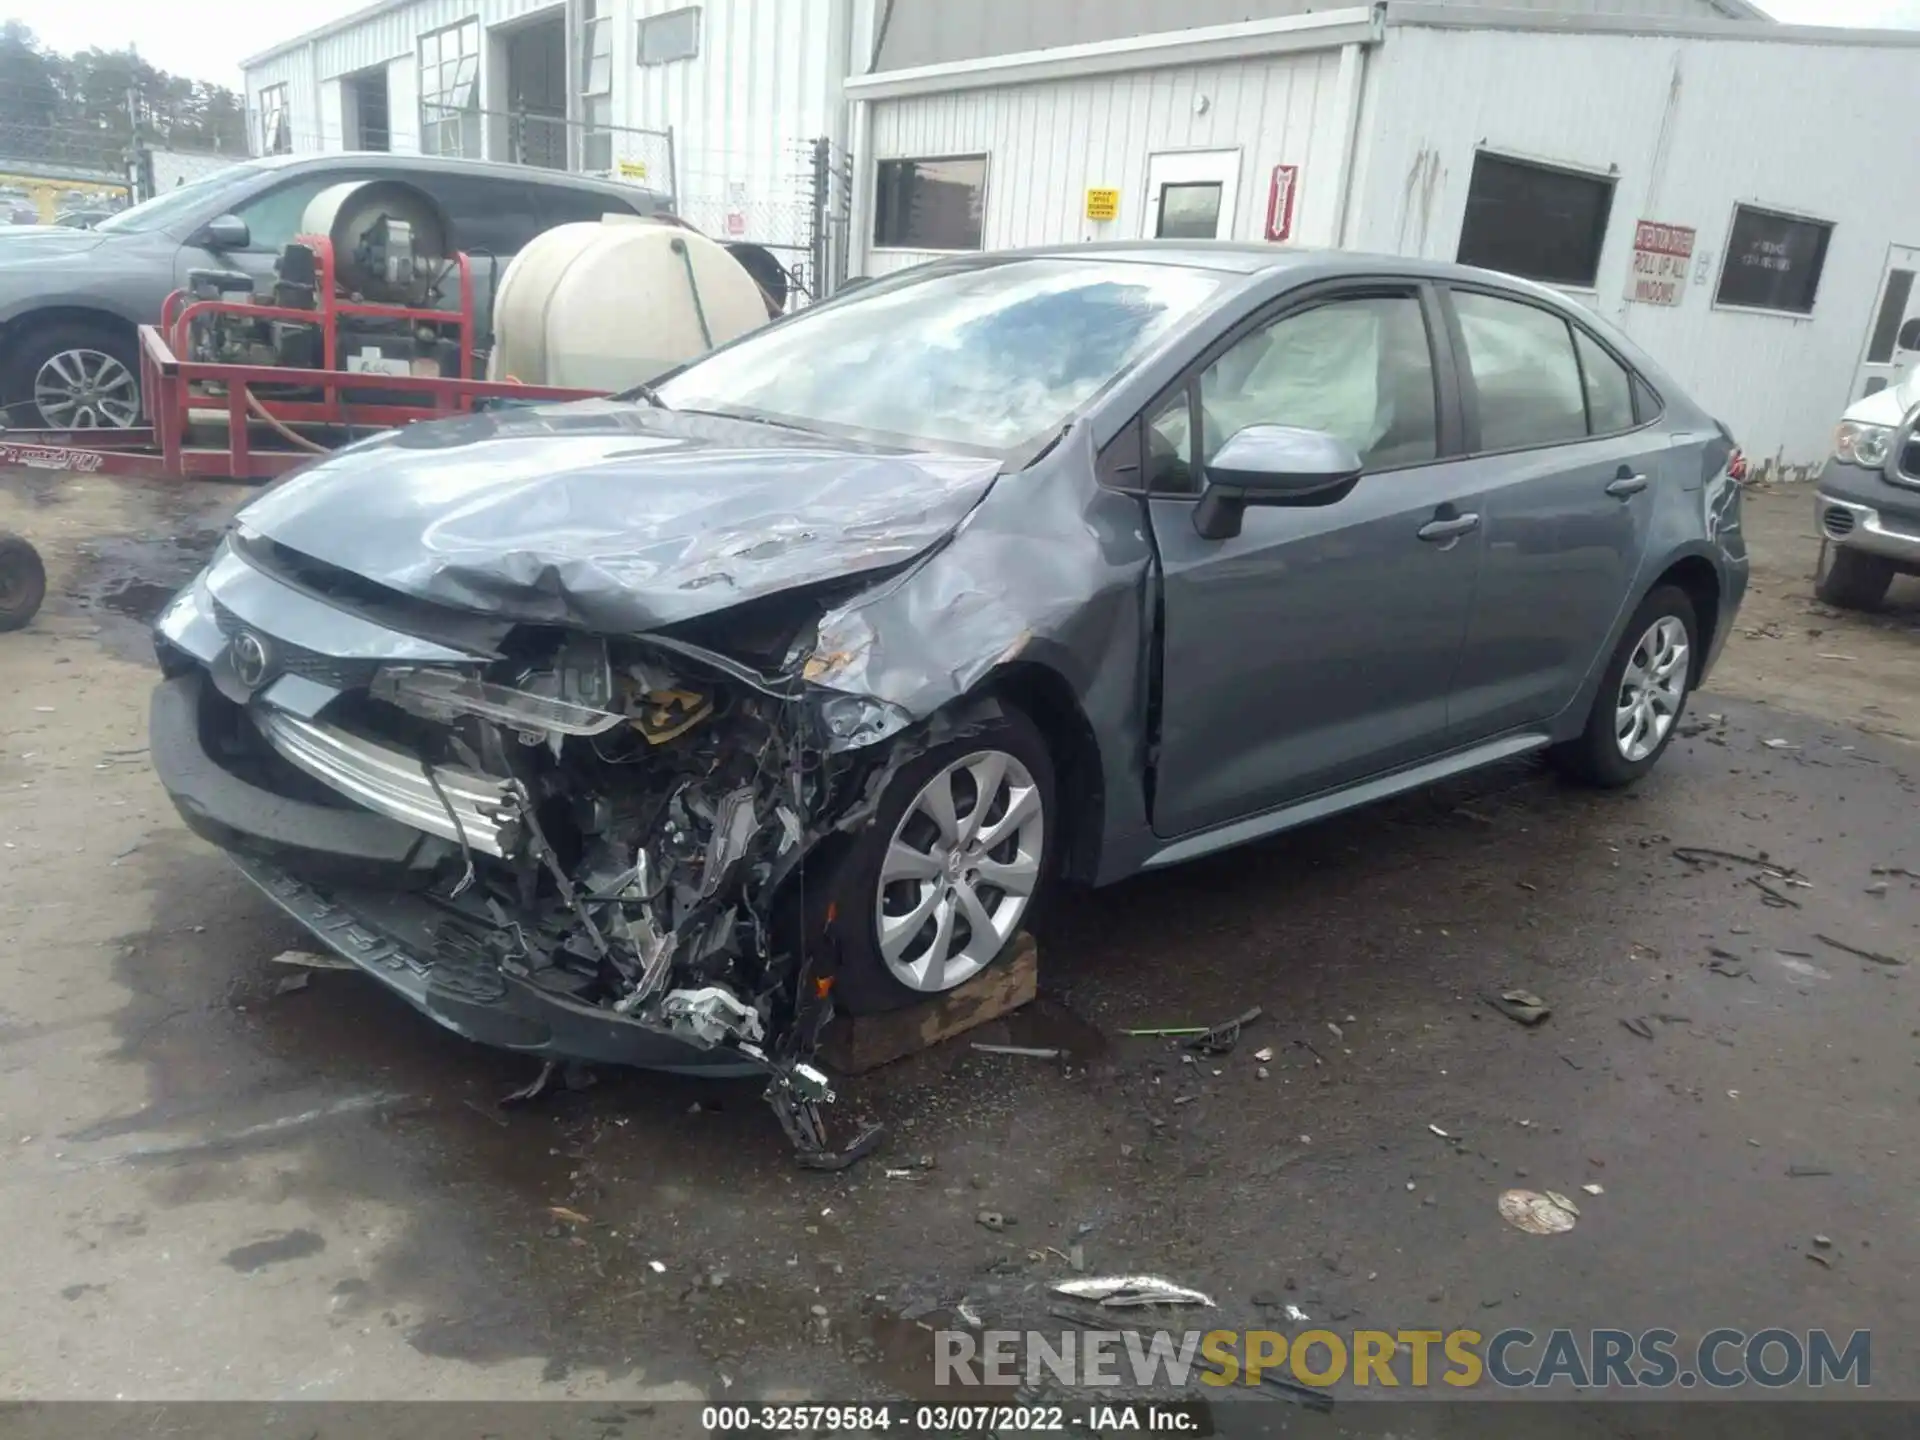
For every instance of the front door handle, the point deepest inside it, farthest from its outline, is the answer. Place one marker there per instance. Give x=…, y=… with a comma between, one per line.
x=1440, y=531
x=1626, y=484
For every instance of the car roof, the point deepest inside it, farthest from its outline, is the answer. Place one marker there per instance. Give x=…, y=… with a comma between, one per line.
x=447, y=165
x=1245, y=257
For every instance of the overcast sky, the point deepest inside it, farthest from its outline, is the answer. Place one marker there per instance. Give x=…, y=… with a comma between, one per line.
x=207, y=39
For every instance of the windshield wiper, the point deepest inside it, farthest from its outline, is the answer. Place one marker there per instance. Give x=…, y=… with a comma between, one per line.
x=751, y=419
x=646, y=393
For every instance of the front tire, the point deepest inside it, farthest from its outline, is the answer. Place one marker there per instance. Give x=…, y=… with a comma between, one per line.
x=72, y=376
x=1641, y=697
x=941, y=882
x=1853, y=580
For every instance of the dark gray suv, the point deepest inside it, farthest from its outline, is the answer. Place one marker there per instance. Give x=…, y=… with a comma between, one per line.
x=635, y=728
x=70, y=299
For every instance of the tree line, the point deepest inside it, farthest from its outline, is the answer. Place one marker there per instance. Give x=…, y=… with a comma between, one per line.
x=73, y=109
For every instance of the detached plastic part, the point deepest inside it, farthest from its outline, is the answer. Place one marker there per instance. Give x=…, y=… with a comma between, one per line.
x=439, y=693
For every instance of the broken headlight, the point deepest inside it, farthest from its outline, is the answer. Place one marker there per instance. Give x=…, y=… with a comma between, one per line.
x=443, y=694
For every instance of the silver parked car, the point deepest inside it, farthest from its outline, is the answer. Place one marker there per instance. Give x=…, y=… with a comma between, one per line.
x=72, y=297
x=633, y=730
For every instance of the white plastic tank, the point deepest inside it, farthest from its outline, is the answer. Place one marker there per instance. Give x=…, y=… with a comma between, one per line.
x=611, y=305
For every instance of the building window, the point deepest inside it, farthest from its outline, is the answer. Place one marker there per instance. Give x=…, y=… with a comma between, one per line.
x=672, y=36
x=450, y=90
x=276, y=126
x=1189, y=211
x=1535, y=220
x=368, y=118
x=596, y=86
x=930, y=204
x=1773, y=261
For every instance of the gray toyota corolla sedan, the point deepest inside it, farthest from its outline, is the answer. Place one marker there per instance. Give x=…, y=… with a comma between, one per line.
x=648, y=729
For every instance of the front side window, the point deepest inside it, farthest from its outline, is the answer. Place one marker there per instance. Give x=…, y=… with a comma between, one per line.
x=1538, y=221
x=1359, y=369
x=1525, y=374
x=930, y=204
x=450, y=91
x=273, y=216
x=1773, y=261
x=990, y=359
x=276, y=124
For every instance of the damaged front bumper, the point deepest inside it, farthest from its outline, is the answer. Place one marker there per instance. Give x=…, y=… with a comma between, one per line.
x=363, y=884
x=566, y=846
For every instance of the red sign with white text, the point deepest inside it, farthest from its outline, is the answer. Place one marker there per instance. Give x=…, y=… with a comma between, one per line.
x=1662, y=255
x=1280, y=197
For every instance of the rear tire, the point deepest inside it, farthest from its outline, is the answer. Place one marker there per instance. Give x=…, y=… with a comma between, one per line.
x=23, y=582
x=1852, y=579
x=1001, y=825
x=94, y=365
x=1642, y=695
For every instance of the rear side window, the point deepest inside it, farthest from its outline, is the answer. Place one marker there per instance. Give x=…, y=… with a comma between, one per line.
x=1525, y=373
x=490, y=216
x=566, y=205
x=1609, y=387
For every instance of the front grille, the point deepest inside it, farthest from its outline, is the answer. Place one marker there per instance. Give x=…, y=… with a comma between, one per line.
x=1838, y=521
x=1909, y=466
x=393, y=783
x=298, y=660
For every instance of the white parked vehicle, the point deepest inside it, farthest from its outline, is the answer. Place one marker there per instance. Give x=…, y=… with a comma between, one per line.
x=1868, y=505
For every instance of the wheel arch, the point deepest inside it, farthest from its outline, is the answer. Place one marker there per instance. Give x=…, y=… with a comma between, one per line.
x=45, y=317
x=1046, y=697
x=1699, y=580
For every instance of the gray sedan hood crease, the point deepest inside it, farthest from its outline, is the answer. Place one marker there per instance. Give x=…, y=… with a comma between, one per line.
x=611, y=517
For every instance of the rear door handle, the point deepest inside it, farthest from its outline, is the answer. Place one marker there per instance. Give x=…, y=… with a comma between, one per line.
x=1438, y=531
x=1626, y=485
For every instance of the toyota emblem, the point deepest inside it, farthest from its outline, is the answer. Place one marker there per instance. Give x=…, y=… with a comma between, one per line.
x=251, y=659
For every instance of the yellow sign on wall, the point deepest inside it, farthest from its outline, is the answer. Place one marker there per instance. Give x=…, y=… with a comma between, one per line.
x=1103, y=204
x=633, y=169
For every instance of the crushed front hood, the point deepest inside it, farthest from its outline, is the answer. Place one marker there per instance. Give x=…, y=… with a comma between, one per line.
x=613, y=517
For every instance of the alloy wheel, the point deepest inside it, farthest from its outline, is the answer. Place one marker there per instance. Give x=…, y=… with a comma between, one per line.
x=960, y=871
x=1651, y=689
x=86, y=390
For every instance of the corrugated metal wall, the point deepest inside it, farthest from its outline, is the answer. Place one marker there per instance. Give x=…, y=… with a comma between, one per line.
x=743, y=111
x=766, y=82
x=1048, y=143
x=926, y=32
x=1820, y=130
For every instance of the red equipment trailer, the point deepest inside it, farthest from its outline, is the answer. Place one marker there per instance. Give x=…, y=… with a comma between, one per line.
x=195, y=404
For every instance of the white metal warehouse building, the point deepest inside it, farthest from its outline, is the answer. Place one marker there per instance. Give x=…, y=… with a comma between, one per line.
x=1742, y=197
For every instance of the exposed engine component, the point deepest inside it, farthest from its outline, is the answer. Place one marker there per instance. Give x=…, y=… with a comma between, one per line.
x=611, y=305
x=391, y=240
x=389, y=252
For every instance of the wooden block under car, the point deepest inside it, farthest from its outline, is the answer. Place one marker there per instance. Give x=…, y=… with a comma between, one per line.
x=856, y=1044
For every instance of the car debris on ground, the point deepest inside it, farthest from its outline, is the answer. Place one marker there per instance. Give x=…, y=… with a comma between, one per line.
x=1521, y=1005
x=1116, y=1292
x=1537, y=1212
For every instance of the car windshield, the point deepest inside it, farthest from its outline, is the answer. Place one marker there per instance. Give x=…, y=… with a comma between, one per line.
x=170, y=205
x=987, y=359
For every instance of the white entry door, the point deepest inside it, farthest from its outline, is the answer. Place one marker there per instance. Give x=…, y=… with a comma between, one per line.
x=1191, y=195
x=1893, y=340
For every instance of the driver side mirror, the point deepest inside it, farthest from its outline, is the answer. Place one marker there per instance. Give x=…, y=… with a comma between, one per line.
x=1273, y=465
x=225, y=232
